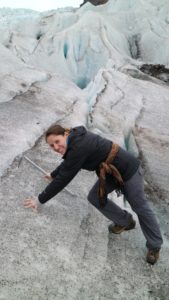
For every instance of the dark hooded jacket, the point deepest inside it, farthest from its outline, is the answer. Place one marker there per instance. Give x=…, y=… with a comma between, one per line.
x=87, y=150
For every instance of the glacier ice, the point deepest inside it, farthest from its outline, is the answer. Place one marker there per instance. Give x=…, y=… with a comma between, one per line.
x=81, y=66
x=88, y=46
x=78, y=43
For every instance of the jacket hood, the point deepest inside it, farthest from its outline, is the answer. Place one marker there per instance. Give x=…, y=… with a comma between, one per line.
x=73, y=135
x=77, y=131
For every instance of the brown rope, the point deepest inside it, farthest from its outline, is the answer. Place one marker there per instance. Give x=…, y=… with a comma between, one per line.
x=108, y=168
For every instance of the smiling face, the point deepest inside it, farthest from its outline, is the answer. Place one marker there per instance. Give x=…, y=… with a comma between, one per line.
x=58, y=142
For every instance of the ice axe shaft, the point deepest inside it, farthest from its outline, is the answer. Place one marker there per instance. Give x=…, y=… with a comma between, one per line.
x=44, y=172
x=35, y=165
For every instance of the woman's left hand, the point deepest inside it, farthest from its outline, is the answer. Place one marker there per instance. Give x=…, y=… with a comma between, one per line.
x=48, y=176
x=31, y=203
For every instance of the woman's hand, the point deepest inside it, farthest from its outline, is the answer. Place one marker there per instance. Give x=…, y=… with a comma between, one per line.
x=31, y=203
x=48, y=176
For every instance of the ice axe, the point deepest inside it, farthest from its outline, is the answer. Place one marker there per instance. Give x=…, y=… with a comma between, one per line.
x=41, y=170
x=33, y=163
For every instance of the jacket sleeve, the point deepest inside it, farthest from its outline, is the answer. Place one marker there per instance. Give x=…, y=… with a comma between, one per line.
x=67, y=171
x=55, y=172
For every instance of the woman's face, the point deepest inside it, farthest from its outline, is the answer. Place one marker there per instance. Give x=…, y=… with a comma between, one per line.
x=58, y=143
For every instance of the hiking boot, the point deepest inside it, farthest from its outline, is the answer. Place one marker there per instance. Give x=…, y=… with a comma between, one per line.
x=152, y=256
x=118, y=228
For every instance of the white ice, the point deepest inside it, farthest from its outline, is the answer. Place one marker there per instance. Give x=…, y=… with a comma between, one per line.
x=81, y=66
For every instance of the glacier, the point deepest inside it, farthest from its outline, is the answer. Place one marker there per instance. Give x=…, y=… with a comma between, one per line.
x=81, y=66
x=77, y=43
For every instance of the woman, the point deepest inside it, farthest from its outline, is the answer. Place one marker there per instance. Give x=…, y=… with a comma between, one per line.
x=117, y=170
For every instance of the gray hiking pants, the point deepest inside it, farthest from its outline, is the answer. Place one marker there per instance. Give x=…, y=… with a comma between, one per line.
x=134, y=193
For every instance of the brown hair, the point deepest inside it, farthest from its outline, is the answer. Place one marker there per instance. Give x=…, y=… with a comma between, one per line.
x=56, y=130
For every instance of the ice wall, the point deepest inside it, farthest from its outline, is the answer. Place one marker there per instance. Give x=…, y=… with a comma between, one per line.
x=65, y=251
x=78, y=42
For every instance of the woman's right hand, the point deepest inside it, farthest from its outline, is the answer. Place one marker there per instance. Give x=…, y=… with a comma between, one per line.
x=48, y=177
x=31, y=203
